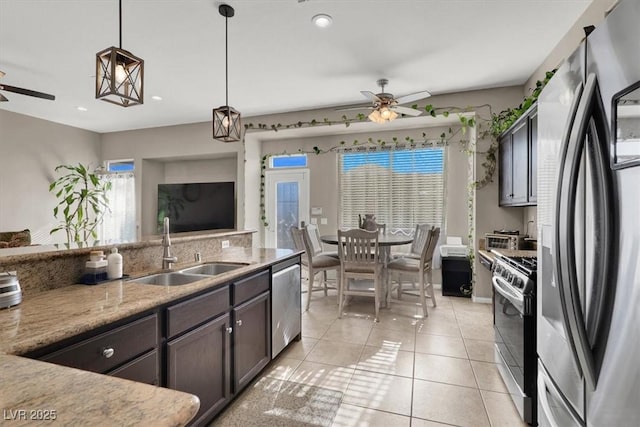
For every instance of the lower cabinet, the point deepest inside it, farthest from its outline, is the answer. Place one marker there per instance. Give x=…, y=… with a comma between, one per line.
x=212, y=344
x=198, y=362
x=128, y=351
x=251, y=339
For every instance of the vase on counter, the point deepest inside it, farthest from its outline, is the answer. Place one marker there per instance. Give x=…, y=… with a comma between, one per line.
x=368, y=222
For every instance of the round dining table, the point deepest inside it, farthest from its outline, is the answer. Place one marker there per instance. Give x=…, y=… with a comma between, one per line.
x=385, y=242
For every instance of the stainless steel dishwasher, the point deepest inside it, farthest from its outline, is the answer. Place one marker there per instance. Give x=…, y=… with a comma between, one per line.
x=285, y=306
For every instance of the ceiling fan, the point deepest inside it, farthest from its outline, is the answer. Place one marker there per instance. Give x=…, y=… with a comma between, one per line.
x=22, y=91
x=386, y=107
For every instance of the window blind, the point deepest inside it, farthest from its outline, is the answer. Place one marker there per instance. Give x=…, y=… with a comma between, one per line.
x=401, y=187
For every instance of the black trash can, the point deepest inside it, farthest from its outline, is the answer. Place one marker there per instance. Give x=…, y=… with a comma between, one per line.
x=456, y=276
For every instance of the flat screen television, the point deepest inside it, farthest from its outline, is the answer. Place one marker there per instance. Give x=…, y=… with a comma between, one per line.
x=197, y=206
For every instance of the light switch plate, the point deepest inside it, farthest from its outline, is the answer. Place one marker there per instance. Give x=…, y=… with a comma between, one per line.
x=323, y=221
x=225, y=244
x=314, y=220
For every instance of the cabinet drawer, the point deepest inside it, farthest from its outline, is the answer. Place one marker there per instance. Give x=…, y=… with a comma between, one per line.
x=195, y=311
x=144, y=369
x=110, y=349
x=248, y=288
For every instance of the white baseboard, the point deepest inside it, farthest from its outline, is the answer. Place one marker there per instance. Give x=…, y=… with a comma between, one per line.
x=481, y=300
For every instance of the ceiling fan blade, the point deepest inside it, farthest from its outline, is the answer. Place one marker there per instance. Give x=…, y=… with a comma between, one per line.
x=27, y=92
x=406, y=111
x=370, y=95
x=3, y=98
x=362, y=107
x=413, y=97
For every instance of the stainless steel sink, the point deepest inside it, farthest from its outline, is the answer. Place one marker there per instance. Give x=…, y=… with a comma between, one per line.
x=169, y=279
x=211, y=269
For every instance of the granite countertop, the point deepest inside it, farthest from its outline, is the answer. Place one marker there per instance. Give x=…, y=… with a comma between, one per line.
x=52, y=316
x=38, y=392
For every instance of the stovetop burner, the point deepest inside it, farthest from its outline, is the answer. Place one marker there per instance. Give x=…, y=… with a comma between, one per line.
x=529, y=263
x=518, y=271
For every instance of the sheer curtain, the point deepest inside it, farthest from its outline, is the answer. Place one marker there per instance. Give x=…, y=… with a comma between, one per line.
x=120, y=222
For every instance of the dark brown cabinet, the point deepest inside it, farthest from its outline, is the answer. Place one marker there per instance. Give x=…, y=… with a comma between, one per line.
x=251, y=339
x=518, y=162
x=128, y=351
x=211, y=344
x=198, y=362
x=533, y=157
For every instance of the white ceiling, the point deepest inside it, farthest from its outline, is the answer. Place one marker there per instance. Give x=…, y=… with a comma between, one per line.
x=278, y=60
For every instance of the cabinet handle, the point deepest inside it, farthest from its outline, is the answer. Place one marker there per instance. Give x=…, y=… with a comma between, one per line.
x=239, y=322
x=108, y=352
x=229, y=329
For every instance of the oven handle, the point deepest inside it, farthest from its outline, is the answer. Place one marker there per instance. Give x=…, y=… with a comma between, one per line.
x=506, y=290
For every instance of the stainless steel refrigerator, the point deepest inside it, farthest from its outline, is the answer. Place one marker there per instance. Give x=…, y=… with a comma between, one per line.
x=588, y=330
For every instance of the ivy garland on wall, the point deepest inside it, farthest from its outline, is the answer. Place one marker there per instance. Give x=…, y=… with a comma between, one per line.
x=487, y=125
x=453, y=134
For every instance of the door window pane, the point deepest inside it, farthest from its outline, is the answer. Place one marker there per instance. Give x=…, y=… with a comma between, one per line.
x=287, y=212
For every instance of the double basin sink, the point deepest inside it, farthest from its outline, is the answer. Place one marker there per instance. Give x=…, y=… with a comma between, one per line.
x=187, y=275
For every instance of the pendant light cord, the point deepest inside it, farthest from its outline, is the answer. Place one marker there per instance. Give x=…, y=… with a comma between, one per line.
x=120, y=21
x=226, y=60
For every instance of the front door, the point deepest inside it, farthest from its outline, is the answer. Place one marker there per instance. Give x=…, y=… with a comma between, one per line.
x=286, y=205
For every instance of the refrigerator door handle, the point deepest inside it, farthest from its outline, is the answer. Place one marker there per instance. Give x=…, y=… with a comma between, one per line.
x=588, y=109
x=562, y=218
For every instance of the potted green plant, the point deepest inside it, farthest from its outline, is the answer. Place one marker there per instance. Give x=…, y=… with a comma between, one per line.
x=82, y=202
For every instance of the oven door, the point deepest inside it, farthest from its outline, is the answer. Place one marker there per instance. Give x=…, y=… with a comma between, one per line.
x=509, y=331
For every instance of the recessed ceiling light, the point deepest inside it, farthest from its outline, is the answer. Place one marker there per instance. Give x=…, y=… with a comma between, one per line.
x=80, y=108
x=322, y=20
x=156, y=98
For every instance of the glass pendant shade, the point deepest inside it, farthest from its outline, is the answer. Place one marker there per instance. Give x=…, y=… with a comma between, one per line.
x=119, y=77
x=227, y=126
x=382, y=115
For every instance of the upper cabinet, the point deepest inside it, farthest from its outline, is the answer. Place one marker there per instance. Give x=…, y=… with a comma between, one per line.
x=518, y=161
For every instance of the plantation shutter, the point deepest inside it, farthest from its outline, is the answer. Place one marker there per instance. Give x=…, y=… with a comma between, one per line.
x=401, y=187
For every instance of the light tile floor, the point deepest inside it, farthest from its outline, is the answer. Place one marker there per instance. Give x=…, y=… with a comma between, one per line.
x=403, y=370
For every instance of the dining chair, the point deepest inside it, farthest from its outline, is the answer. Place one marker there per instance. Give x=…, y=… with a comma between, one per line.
x=314, y=262
x=316, y=242
x=359, y=265
x=420, y=269
x=419, y=239
x=382, y=228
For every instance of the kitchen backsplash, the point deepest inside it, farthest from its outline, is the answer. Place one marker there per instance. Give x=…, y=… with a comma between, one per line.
x=42, y=271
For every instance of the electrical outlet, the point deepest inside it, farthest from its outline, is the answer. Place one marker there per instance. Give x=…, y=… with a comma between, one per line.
x=225, y=244
x=314, y=221
x=323, y=221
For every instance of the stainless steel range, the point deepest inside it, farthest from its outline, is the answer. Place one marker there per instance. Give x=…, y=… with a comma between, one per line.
x=514, y=319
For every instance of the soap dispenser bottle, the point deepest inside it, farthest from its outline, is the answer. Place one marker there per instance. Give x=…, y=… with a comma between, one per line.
x=114, y=266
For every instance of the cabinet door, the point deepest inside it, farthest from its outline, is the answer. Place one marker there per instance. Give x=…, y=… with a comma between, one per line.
x=251, y=339
x=144, y=369
x=505, y=159
x=533, y=158
x=520, y=164
x=198, y=363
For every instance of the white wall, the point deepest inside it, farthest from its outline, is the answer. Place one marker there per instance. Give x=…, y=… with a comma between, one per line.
x=593, y=15
x=30, y=150
x=180, y=145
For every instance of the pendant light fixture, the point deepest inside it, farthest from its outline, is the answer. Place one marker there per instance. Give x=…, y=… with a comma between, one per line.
x=119, y=74
x=226, y=120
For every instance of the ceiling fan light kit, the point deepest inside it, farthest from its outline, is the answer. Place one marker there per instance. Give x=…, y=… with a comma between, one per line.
x=227, y=126
x=119, y=74
x=386, y=107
